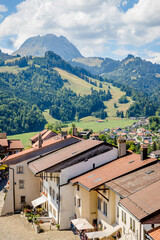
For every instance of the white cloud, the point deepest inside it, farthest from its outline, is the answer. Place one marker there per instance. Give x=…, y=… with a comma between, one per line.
x=90, y=24
x=153, y=57
x=124, y=3
x=6, y=50
x=124, y=52
x=3, y=8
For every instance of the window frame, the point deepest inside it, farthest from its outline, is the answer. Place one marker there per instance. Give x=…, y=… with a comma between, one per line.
x=19, y=171
x=105, y=208
x=21, y=199
x=21, y=184
x=99, y=203
x=78, y=202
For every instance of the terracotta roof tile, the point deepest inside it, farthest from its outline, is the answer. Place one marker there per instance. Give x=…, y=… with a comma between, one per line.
x=143, y=202
x=155, y=233
x=47, y=146
x=3, y=135
x=135, y=181
x=4, y=142
x=62, y=155
x=112, y=170
x=15, y=144
x=35, y=138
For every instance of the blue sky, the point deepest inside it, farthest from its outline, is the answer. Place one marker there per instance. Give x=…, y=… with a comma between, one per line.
x=103, y=28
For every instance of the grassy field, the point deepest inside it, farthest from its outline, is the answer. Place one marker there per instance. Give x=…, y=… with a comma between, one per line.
x=82, y=87
x=92, y=62
x=24, y=137
x=48, y=117
x=95, y=126
x=12, y=69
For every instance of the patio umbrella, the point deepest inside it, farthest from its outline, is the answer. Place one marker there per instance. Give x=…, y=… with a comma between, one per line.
x=81, y=224
x=93, y=235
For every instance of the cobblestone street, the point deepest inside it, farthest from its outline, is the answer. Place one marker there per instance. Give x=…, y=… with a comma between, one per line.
x=16, y=228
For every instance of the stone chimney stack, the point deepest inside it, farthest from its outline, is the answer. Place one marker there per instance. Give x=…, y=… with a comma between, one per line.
x=74, y=132
x=40, y=141
x=121, y=146
x=144, y=149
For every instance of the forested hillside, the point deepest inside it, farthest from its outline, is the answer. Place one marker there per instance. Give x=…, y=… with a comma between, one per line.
x=26, y=94
x=139, y=78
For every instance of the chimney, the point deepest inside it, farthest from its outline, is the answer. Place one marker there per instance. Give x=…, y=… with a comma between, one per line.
x=40, y=141
x=121, y=146
x=144, y=149
x=64, y=134
x=74, y=132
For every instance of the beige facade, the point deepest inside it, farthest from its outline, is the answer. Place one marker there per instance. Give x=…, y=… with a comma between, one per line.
x=25, y=189
x=106, y=210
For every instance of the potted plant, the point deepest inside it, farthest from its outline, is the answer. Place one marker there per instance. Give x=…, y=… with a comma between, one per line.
x=57, y=226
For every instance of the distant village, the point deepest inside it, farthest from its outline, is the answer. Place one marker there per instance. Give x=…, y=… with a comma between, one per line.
x=97, y=189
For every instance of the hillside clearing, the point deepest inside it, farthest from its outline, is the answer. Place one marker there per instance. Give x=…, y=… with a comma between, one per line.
x=80, y=86
x=12, y=69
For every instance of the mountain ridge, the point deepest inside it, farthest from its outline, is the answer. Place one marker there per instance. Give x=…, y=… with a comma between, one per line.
x=38, y=45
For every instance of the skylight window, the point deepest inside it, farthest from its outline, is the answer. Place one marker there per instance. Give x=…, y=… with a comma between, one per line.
x=98, y=179
x=74, y=152
x=149, y=172
x=131, y=161
x=91, y=176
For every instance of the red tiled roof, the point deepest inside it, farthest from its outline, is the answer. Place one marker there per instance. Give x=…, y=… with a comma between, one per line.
x=155, y=233
x=34, y=138
x=112, y=170
x=143, y=202
x=34, y=149
x=15, y=144
x=3, y=135
x=4, y=142
x=135, y=181
x=48, y=135
x=61, y=155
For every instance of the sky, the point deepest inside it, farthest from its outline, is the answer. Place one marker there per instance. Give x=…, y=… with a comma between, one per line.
x=98, y=28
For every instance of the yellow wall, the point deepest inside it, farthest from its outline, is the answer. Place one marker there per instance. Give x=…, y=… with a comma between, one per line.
x=88, y=208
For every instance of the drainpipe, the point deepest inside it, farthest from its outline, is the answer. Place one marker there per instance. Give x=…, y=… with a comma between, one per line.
x=13, y=190
x=58, y=199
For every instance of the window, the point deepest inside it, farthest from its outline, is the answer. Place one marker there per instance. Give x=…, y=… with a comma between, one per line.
x=78, y=202
x=57, y=198
x=50, y=190
x=50, y=208
x=23, y=199
x=41, y=186
x=50, y=176
x=123, y=217
x=54, y=212
x=74, y=201
x=53, y=194
x=105, y=208
x=21, y=183
x=132, y=224
x=117, y=212
x=77, y=187
x=19, y=169
x=99, y=203
x=57, y=181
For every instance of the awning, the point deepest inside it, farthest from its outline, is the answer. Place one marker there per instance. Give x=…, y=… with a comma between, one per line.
x=81, y=224
x=39, y=201
x=93, y=235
